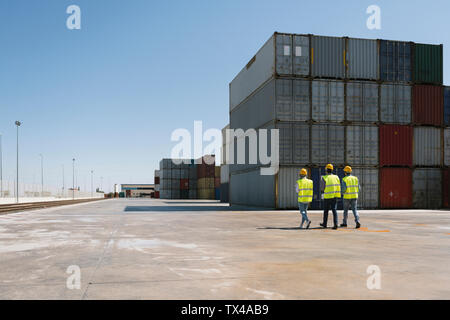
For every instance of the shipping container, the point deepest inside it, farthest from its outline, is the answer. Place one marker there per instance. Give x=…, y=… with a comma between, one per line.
x=428, y=63
x=427, y=192
x=368, y=194
x=327, y=144
x=446, y=187
x=224, y=173
x=176, y=174
x=428, y=104
x=184, y=194
x=193, y=185
x=217, y=182
x=252, y=189
x=204, y=170
x=184, y=173
x=293, y=143
x=282, y=54
x=184, y=184
x=205, y=183
x=193, y=172
x=193, y=194
x=395, y=103
x=286, y=182
x=327, y=100
x=362, y=59
x=166, y=174
x=157, y=180
x=217, y=193
x=362, y=101
x=362, y=145
x=206, y=194
x=395, y=188
x=447, y=106
x=327, y=57
x=396, y=145
x=282, y=99
x=395, y=61
x=217, y=171
x=427, y=146
x=224, y=192
x=447, y=146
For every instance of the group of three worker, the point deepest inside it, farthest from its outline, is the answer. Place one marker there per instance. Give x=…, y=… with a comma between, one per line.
x=331, y=188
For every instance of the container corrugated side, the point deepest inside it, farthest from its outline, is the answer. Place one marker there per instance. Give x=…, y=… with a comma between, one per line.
x=252, y=189
x=327, y=144
x=327, y=57
x=446, y=187
x=362, y=145
x=428, y=63
x=428, y=104
x=395, y=61
x=362, y=59
x=225, y=173
x=287, y=197
x=427, y=192
x=427, y=146
x=395, y=188
x=396, y=145
x=447, y=146
x=395, y=103
x=257, y=71
x=294, y=143
x=327, y=98
x=224, y=192
x=447, y=106
x=368, y=180
x=361, y=101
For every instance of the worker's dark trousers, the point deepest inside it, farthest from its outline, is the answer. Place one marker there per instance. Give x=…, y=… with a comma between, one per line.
x=330, y=204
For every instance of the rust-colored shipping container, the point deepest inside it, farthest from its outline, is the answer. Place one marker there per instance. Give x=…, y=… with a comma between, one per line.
x=156, y=180
x=395, y=188
x=446, y=187
x=184, y=184
x=217, y=182
x=156, y=194
x=428, y=104
x=205, y=171
x=396, y=145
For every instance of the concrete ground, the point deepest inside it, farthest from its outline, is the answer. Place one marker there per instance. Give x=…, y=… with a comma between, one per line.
x=181, y=249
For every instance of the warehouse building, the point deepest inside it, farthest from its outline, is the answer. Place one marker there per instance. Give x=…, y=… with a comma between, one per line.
x=138, y=190
x=376, y=105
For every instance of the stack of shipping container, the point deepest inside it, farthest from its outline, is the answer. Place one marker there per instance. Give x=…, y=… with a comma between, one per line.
x=157, y=184
x=185, y=179
x=376, y=105
x=224, y=169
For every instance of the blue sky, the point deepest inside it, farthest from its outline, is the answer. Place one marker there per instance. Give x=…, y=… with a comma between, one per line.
x=111, y=93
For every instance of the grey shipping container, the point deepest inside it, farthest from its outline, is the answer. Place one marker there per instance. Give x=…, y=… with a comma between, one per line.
x=362, y=145
x=362, y=59
x=286, y=180
x=362, y=101
x=327, y=100
x=327, y=144
x=252, y=189
x=280, y=99
x=282, y=54
x=427, y=184
x=427, y=146
x=224, y=173
x=192, y=194
x=166, y=173
x=165, y=164
x=184, y=173
x=395, y=103
x=368, y=180
x=327, y=57
x=447, y=146
x=176, y=173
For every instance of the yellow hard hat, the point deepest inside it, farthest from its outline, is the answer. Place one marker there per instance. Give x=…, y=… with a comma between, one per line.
x=329, y=166
x=348, y=169
x=303, y=172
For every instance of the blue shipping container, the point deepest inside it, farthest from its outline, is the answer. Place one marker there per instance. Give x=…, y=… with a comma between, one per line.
x=316, y=174
x=224, y=192
x=447, y=106
x=217, y=193
x=395, y=61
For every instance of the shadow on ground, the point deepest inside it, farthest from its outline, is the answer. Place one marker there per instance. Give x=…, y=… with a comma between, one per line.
x=289, y=228
x=174, y=208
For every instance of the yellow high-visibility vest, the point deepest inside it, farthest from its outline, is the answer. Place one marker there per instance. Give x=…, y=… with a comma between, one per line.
x=352, y=187
x=332, y=186
x=305, y=190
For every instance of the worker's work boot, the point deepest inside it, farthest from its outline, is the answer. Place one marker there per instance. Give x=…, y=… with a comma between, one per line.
x=335, y=227
x=309, y=223
x=343, y=225
x=323, y=226
x=358, y=225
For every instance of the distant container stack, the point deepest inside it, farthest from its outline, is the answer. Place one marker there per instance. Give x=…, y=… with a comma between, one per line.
x=376, y=105
x=185, y=179
x=157, y=184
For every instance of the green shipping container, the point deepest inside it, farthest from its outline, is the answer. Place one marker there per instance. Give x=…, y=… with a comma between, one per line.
x=428, y=65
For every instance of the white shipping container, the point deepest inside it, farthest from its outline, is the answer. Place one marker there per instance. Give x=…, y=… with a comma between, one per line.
x=427, y=146
x=362, y=145
x=327, y=144
x=224, y=173
x=327, y=100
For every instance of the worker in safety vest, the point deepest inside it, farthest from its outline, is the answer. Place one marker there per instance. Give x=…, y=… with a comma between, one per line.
x=304, y=190
x=330, y=185
x=350, y=189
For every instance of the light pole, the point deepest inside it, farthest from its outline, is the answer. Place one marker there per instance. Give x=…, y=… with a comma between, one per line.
x=92, y=183
x=17, y=123
x=1, y=168
x=42, y=174
x=73, y=179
